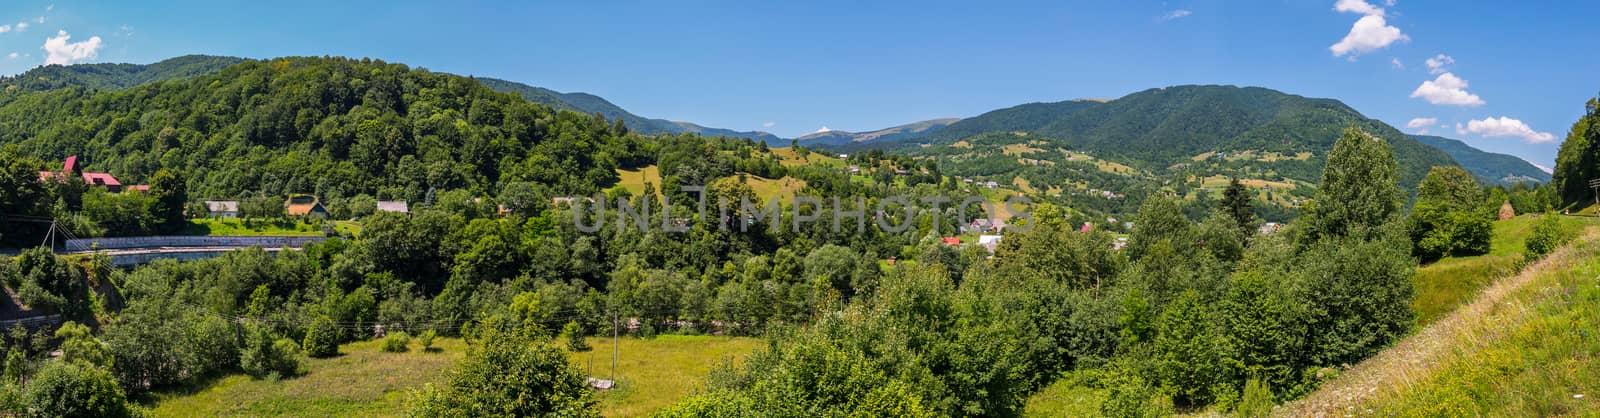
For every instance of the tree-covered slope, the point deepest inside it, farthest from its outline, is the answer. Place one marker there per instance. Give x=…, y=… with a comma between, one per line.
x=115, y=76
x=589, y=103
x=1488, y=166
x=1158, y=128
x=330, y=126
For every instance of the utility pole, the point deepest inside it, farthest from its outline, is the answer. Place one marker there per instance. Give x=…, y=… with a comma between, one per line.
x=1594, y=186
x=615, y=320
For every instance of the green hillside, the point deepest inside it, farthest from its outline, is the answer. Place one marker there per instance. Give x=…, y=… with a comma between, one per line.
x=115, y=76
x=1158, y=128
x=1487, y=166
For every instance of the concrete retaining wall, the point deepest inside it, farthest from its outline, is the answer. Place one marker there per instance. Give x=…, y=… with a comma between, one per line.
x=188, y=241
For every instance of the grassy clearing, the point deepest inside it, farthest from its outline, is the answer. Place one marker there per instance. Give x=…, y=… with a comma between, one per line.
x=250, y=227
x=1448, y=283
x=633, y=180
x=1525, y=347
x=654, y=373
x=361, y=382
x=365, y=382
x=789, y=158
x=766, y=188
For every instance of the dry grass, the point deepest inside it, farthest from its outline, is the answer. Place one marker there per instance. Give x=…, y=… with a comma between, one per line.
x=1525, y=346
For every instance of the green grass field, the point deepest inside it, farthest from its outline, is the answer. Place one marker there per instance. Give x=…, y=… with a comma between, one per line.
x=1532, y=354
x=365, y=382
x=655, y=373
x=241, y=227
x=1525, y=346
x=1448, y=283
x=361, y=382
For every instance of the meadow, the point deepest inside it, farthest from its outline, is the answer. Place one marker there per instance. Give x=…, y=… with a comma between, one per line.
x=363, y=381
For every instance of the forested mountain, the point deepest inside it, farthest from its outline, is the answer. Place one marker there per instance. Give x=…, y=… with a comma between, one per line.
x=906, y=132
x=330, y=126
x=115, y=76
x=1158, y=128
x=1487, y=166
x=589, y=103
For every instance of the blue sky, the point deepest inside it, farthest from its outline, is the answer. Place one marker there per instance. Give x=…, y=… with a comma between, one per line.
x=1516, y=78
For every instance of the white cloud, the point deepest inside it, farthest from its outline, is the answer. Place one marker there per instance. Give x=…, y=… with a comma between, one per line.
x=22, y=26
x=47, y=9
x=1175, y=14
x=1437, y=63
x=1546, y=170
x=1368, y=34
x=59, y=51
x=769, y=124
x=1504, y=127
x=11, y=56
x=1358, y=7
x=1397, y=64
x=1447, y=89
x=40, y=19
x=5, y=28
x=1421, y=123
x=823, y=129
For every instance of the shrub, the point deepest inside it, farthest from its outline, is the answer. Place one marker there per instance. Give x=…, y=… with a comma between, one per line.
x=575, y=340
x=426, y=340
x=1257, y=401
x=322, y=338
x=64, y=389
x=1547, y=236
x=396, y=342
x=266, y=358
x=509, y=371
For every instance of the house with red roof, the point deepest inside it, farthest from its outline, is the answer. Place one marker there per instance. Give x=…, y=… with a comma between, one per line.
x=72, y=168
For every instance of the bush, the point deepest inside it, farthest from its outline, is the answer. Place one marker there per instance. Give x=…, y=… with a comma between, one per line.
x=1547, y=236
x=396, y=342
x=575, y=340
x=64, y=389
x=509, y=371
x=322, y=338
x=1257, y=401
x=266, y=358
x=426, y=340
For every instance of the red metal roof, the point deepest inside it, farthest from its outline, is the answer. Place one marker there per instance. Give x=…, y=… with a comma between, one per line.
x=951, y=240
x=100, y=179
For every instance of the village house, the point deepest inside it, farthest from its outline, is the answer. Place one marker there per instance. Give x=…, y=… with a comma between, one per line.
x=396, y=206
x=222, y=208
x=72, y=168
x=950, y=241
x=305, y=206
x=989, y=242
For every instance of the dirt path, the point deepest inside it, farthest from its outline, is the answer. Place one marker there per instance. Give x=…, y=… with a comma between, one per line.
x=1416, y=357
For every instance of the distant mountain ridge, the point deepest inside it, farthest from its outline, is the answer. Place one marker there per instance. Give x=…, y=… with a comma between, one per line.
x=1173, y=126
x=904, y=132
x=589, y=103
x=1487, y=166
